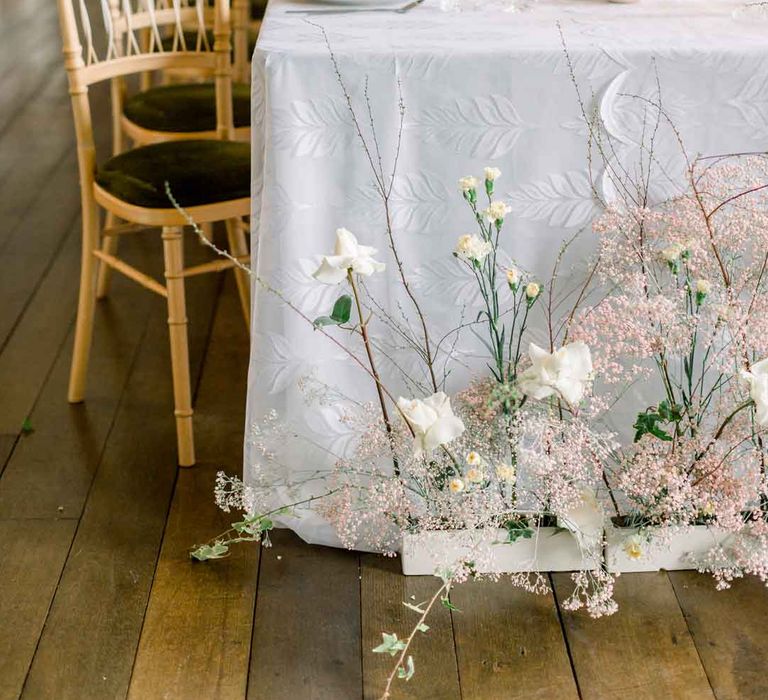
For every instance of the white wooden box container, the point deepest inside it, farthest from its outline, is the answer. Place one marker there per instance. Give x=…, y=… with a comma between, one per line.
x=550, y=549
x=672, y=552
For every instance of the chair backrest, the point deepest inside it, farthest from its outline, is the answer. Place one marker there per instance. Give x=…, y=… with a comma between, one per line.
x=121, y=53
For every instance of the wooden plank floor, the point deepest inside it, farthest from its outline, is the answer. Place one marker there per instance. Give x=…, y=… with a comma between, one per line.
x=97, y=596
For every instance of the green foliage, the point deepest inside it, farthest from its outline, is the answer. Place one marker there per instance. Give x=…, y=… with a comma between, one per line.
x=217, y=550
x=253, y=525
x=340, y=314
x=446, y=603
x=390, y=645
x=26, y=427
x=517, y=528
x=406, y=673
x=647, y=423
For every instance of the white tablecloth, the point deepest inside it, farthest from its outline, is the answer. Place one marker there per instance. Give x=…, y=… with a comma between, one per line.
x=480, y=88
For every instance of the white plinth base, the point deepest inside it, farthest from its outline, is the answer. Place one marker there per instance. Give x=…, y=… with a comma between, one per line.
x=550, y=549
x=672, y=552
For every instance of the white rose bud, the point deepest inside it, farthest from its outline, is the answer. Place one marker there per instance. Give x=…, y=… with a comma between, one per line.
x=513, y=278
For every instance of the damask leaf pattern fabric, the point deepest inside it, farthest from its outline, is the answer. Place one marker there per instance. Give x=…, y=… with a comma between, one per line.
x=482, y=88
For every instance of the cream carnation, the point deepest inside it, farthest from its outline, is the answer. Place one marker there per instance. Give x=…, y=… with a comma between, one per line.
x=532, y=290
x=468, y=183
x=496, y=211
x=471, y=247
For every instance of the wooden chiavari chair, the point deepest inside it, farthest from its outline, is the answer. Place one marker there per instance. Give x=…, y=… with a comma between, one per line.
x=184, y=105
x=209, y=177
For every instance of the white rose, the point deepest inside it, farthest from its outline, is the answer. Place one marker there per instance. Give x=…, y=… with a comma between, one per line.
x=513, y=278
x=492, y=173
x=473, y=458
x=471, y=247
x=585, y=519
x=633, y=546
x=468, y=183
x=432, y=420
x=703, y=286
x=456, y=485
x=757, y=381
x=497, y=210
x=672, y=252
x=348, y=254
x=564, y=373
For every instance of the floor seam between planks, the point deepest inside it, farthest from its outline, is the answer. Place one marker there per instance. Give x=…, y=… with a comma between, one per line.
x=691, y=635
x=115, y=414
x=564, y=632
x=49, y=266
x=253, y=622
x=195, y=392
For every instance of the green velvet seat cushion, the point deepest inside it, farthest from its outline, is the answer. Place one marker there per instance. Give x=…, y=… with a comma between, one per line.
x=185, y=107
x=258, y=7
x=198, y=172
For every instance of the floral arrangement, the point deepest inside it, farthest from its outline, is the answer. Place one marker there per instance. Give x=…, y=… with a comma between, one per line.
x=485, y=480
x=687, y=314
x=522, y=449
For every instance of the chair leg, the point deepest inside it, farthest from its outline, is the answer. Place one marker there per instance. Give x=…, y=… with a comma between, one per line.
x=239, y=246
x=173, y=249
x=85, y=305
x=109, y=246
